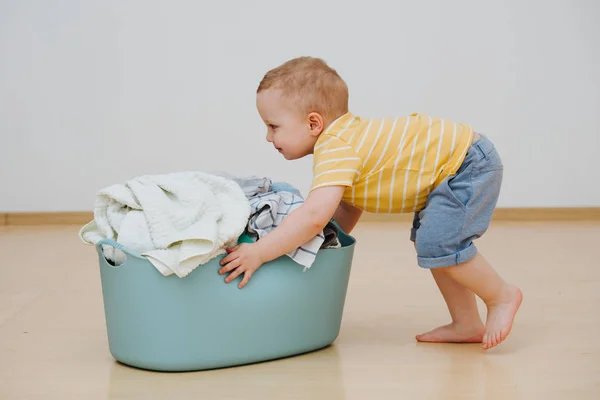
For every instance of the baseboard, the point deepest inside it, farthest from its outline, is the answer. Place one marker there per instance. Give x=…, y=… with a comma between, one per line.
x=47, y=218
x=548, y=214
x=512, y=214
x=501, y=214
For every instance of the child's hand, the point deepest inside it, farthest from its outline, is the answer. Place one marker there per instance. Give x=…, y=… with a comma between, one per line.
x=297, y=228
x=244, y=258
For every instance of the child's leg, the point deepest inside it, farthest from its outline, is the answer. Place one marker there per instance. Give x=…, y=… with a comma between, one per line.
x=458, y=211
x=466, y=326
x=502, y=299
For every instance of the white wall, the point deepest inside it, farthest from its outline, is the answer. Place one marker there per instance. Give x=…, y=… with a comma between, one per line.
x=95, y=92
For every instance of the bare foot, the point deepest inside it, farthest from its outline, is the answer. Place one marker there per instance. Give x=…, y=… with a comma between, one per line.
x=501, y=316
x=454, y=333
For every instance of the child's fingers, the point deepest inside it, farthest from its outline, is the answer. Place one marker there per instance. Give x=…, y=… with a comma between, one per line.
x=232, y=249
x=229, y=258
x=234, y=274
x=231, y=265
x=244, y=281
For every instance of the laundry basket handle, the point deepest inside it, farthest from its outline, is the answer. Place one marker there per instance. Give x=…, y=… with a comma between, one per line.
x=117, y=245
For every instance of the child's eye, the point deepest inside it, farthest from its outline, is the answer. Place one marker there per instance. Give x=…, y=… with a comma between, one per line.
x=272, y=126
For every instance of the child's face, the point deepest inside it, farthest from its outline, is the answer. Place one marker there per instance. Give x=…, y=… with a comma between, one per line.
x=291, y=134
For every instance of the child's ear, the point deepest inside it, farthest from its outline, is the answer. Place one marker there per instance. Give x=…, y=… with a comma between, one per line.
x=315, y=123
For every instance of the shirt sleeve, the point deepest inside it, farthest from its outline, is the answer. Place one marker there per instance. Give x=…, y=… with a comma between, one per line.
x=335, y=163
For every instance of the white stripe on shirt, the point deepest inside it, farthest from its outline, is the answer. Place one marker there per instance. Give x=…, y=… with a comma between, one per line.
x=461, y=158
x=343, y=183
x=364, y=136
x=337, y=160
x=412, y=154
x=378, y=161
x=379, y=190
x=386, y=146
x=325, y=143
x=437, y=158
x=400, y=152
x=422, y=165
x=332, y=171
x=374, y=143
x=453, y=141
x=346, y=128
x=366, y=191
x=336, y=149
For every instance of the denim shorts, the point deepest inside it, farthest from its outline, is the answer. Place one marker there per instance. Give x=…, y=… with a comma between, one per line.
x=459, y=210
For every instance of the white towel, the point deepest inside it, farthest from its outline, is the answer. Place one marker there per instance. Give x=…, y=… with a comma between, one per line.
x=178, y=221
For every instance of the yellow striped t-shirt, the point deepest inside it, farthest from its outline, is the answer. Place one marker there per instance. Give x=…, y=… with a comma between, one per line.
x=389, y=165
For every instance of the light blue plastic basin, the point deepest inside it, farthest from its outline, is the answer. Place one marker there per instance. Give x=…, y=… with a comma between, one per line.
x=200, y=322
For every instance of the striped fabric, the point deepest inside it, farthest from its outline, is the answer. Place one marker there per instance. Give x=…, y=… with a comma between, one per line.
x=267, y=211
x=389, y=165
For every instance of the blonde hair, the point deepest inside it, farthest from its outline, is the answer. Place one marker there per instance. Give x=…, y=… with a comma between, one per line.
x=313, y=84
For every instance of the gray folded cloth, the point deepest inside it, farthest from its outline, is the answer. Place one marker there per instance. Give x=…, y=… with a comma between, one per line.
x=270, y=203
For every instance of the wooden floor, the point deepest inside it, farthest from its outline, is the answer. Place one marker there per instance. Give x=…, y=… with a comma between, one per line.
x=53, y=342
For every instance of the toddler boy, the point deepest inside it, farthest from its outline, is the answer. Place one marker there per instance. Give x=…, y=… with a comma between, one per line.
x=440, y=170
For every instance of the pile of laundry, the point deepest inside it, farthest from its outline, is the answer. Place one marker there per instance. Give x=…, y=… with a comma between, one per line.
x=182, y=220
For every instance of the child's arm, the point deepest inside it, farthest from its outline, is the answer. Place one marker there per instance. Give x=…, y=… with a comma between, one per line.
x=299, y=227
x=347, y=216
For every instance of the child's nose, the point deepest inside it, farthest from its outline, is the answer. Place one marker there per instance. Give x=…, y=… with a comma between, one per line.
x=269, y=137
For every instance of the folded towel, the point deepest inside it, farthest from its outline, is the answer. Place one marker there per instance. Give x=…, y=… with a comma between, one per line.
x=178, y=221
